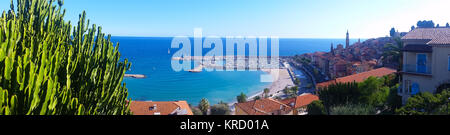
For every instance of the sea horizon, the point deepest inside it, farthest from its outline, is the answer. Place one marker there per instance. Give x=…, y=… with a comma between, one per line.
x=352, y=39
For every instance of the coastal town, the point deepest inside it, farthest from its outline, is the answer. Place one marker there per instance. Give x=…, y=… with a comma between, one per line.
x=225, y=67
x=301, y=78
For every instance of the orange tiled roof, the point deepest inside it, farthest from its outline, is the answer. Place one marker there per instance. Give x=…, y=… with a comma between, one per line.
x=300, y=101
x=325, y=84
x=359, y=77
x=263, y=107
x=160, y=108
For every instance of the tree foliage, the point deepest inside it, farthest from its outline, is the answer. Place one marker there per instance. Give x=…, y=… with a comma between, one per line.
x=316, y=108
x=204, y=106
x=266, y=92
x=196, y=111
x=241, y=98
x=48, y=69
x=392, y=32
x=373, y=92
x=425, y=24
x=257, y=98
x=339, y=94
x=220, y=109
x=427, y=104
x=297, y=82
x=352, y=109
x=291, y=92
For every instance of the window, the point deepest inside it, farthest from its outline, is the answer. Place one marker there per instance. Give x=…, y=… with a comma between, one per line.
x=408, y=86
x=415, y=89
x=421, y=63
x=449, y=63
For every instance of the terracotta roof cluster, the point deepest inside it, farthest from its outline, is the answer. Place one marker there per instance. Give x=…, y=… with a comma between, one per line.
x=269, y=106
x=380, y=72
x=437, y=36
x=300, y=101
x=160, y=108
x=263, y=107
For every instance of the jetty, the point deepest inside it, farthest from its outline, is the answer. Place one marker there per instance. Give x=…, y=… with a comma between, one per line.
x=246, y=58
x=137, y=76
x=232, y=62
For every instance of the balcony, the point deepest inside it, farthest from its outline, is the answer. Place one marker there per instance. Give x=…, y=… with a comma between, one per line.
x=417, y=69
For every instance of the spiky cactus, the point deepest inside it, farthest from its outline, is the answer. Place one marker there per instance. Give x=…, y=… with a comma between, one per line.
x=48, y=69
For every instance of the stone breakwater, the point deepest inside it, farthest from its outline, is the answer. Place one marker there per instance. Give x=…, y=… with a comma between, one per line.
x=138, y=76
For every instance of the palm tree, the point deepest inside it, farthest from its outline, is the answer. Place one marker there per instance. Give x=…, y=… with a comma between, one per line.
x=242, y=98
x=204, y=106
x=266, y=92
x=291, y=92
x=394, y=52
x=257, y=98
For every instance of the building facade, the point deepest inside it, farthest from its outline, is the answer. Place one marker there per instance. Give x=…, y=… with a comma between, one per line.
x=426, y=59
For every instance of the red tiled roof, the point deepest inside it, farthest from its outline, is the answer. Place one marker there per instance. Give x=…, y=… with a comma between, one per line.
x=263, y=107
x=359, y=77
x=159, y=108
x=437, y=36
x=300, y=101
x=325, y=84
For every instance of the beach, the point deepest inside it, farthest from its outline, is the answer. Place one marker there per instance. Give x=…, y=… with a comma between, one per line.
x=281, y=78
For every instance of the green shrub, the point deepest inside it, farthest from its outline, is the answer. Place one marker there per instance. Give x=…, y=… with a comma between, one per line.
x=204, y=106
x=426, y=104
x=351, y=109
x=196, y=111
x=316, y=108
x=47, y=69
x=220, y=109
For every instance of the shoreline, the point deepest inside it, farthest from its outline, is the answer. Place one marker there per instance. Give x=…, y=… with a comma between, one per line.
x=281, y=80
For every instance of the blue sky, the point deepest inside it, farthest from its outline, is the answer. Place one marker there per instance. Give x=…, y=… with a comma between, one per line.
x=283, y=18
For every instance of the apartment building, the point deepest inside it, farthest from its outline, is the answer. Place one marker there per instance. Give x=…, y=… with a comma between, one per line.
x=426, y=59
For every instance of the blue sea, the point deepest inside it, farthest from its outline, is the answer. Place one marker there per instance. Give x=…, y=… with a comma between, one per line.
x=150, y=56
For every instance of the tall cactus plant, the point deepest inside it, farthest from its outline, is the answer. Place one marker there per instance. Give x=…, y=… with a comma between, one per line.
x=48, y=67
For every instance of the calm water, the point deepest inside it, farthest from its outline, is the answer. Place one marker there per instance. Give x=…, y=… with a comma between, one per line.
x=150, y=56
